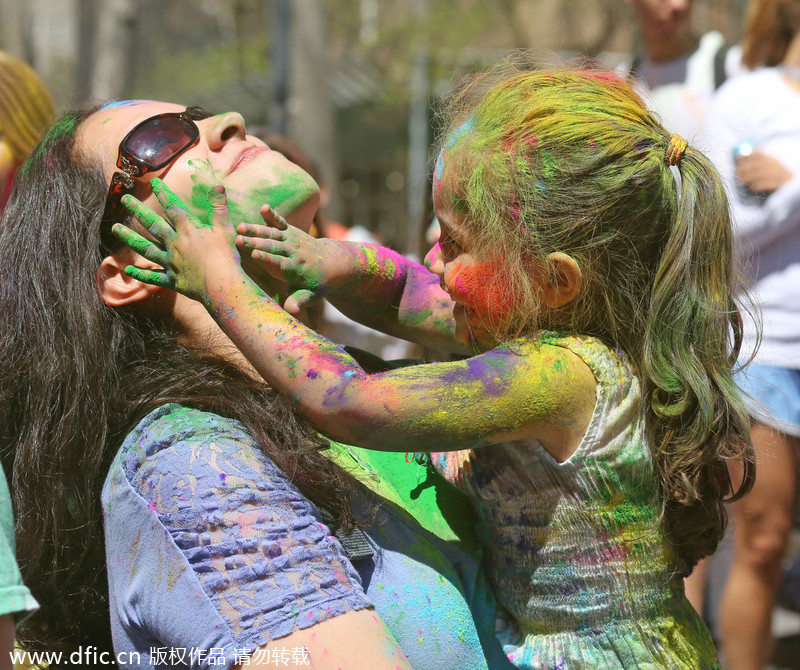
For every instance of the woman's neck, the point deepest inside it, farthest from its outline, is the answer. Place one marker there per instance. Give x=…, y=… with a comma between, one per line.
x=660, y=49
x=197, y=330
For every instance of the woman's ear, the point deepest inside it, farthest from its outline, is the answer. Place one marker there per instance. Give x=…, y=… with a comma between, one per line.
x=563, y=281
x=115, y=287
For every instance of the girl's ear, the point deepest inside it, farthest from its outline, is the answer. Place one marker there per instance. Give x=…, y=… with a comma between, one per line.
x=115, y=287
x=564, y=280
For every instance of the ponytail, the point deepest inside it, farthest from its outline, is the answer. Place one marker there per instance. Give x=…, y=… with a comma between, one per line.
x=696, y=419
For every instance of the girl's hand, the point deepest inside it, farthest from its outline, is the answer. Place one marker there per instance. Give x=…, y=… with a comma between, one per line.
x=186, y=248
x=312, y=267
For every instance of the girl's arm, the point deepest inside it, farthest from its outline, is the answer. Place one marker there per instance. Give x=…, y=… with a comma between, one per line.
x=370, y=284
x=528, y=390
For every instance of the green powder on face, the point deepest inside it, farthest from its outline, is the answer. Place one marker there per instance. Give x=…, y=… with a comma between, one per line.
x=287, y=195
x=291, y=190
x=204, y=178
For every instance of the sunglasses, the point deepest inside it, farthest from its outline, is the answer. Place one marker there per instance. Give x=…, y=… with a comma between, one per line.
x=151, y=145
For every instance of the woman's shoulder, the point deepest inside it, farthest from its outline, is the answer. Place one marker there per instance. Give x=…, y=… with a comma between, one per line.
x=174, y=422
x=196, y=517
x=179, y=448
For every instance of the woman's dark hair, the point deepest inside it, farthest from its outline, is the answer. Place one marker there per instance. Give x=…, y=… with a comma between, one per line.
x=76, y=376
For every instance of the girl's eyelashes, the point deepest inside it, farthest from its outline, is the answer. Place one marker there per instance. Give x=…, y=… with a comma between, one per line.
x=449, y=246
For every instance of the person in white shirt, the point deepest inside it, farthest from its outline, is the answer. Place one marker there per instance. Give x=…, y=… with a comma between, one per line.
x=754, y=131
x=678, y=70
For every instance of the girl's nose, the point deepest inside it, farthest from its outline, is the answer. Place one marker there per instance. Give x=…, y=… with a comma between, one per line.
x=433, y=260
x=224, y=127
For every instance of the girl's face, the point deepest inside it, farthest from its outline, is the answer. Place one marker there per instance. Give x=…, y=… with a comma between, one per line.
x=224, y=154
x=475, y=282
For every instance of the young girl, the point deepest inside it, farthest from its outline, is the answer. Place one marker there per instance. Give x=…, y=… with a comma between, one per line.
x=587, y=254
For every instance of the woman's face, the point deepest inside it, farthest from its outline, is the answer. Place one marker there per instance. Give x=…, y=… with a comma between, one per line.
x=251, y=173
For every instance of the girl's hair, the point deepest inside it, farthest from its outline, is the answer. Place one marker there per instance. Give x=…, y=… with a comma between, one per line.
x=77, y=375
x=570, y=160
x=26, y=108
x=769, y=29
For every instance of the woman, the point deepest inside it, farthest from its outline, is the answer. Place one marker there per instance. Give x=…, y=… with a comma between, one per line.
x=214, y=539
x=26, y=110
x=755, y=128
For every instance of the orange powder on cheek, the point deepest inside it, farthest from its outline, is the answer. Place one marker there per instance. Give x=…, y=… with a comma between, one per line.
x=482, y=291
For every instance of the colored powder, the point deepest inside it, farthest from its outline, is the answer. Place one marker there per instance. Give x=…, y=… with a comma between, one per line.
x=459, y=205
x=549, y=165
x=432, y=255
x=437, y=172
x=121, y=103
x=459, y=132
x=291, y=191
x=482, y=291
x=64, y=126
x=514, y=207
x=173, y=201
x=491, y=371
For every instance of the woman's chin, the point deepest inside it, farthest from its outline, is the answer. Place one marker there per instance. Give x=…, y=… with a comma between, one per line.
x=302, y=213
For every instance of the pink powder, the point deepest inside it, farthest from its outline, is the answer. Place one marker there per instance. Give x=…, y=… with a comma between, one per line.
x=481, y=289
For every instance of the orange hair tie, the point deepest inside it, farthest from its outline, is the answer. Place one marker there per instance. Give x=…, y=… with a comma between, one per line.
x=675, y=150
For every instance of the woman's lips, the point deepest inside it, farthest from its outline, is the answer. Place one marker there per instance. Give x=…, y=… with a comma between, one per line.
x=248, y=154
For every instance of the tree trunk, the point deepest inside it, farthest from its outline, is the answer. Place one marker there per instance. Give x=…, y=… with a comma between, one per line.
x=310, y=113
x=115, y=25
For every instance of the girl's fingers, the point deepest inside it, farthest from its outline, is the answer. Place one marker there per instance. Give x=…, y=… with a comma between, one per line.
x=141, y=245
x=148, y=218
x=272, y=218
x=275, y=266
x=261, y=244
x=253, y=230
x=173, y=206
x=154, y=277
x=219, y=206
x=298, y=300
